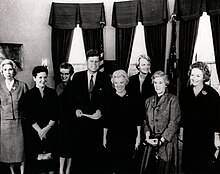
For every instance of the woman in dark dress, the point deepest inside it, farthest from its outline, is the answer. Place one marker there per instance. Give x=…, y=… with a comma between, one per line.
x=161, y=129
x=65, y=121
x=41, y=110
x=140, y=85
x=122, y=125
x=200, y=121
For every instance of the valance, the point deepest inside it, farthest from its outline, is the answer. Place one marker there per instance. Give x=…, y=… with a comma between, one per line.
x=153, y=12
x=188, y=9
x=192, y=9
x=125, y=14
x=91, y=15
x=68, y=15
x=213, y=7
x=63, y=15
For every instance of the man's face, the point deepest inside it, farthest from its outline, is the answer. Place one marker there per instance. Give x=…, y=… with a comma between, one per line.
x=93, y=64
x=65, y=75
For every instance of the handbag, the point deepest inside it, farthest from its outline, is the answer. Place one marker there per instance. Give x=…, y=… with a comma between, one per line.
x=44, y=156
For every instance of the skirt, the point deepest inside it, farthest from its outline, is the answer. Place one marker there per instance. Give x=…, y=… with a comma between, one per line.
x=11, y=141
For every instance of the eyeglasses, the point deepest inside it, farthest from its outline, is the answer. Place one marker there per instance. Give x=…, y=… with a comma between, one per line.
x=66, y=74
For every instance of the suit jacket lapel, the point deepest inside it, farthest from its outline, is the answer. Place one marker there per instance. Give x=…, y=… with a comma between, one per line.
x=85, y=81
x=162, y=100
x=14, y=87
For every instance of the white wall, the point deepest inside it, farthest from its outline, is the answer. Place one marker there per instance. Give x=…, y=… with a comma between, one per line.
x=26, y=22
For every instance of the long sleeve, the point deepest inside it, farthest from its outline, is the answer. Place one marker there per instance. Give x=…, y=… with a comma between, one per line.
x=173, y=125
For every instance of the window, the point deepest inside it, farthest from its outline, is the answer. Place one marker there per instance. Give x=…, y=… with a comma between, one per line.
x=204, y=50
x=77, y=55
x=139, y=47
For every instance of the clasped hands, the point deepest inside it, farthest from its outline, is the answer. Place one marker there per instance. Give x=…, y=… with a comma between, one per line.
x=94, y=116
x=42, y=132
x=154, y=141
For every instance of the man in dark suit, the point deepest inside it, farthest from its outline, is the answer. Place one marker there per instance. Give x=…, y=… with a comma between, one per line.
x=87, y=96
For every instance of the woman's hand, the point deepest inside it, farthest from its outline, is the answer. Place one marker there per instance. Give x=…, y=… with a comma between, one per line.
x=138, y=141
x=153, y=141
x=104, y=142
x=96, y=115
x=79, y=113
x=41, y=134
x=217, y=140
x=105, y=130
x=44, y=131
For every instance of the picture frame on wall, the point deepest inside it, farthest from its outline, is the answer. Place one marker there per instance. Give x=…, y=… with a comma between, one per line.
x=13, y=51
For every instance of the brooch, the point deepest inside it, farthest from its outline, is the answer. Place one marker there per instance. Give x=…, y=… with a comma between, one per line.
x=204, y=92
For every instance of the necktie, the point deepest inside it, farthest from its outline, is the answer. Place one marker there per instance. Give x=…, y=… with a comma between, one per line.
x=91, y=84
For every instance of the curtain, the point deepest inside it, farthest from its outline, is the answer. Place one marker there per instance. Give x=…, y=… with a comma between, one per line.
x=215, y=25
x=172, y=62
x=213, y=9
x=124, y=19
x=63, y=20
x=124, y=42
x=92, y=38
x=153, y=12
x=92, y=22
x=188, y=13
x=187, y=37
x=61, y=44
x=155, y=38
x=154, y=17
x=187, y=9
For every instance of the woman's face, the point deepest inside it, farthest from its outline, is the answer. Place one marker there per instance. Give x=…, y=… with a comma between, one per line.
x=65, y=75
x=159, y=85
x=8, y=71
x=144, y=66
x=40, y=79
x=196, y=77
x=119, y=84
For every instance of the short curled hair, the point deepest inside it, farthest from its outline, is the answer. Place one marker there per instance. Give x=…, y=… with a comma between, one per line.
x=92, y=53
x=39, y=69
x=118, y=74
x=203, y=67
x=9, y=62
x=66, y=65
x=142, y=56
x=160, y=74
